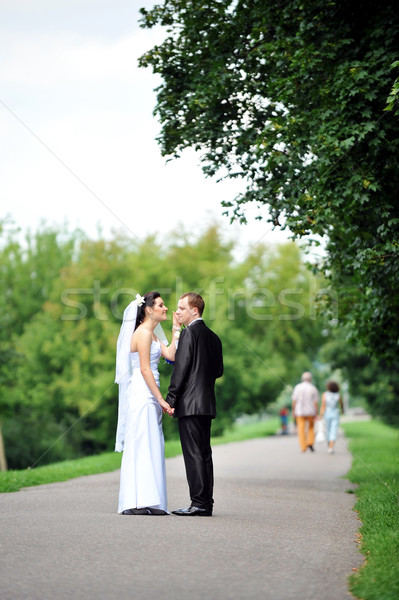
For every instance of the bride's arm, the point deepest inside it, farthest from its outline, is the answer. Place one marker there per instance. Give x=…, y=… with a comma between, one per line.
x=169, y=352
x=143, y=341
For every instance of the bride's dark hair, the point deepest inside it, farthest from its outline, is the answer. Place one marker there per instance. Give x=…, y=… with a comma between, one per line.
x=149, y=300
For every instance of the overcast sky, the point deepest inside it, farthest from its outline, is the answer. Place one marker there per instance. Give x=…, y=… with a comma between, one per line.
x=77, y=130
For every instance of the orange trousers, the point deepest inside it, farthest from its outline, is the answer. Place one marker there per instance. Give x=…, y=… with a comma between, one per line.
x=305, y=426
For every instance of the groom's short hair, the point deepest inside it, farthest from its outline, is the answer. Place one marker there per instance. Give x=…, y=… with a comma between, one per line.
x=194, y=300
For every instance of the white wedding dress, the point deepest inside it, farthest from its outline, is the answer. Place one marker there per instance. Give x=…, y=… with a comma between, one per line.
x=143, y=475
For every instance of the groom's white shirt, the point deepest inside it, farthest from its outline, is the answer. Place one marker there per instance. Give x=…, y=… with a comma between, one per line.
x=198, y=319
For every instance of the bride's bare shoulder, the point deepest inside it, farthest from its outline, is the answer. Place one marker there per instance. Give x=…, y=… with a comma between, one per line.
x=141, y=337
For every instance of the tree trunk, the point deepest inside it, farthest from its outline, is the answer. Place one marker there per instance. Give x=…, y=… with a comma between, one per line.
x=3, y=459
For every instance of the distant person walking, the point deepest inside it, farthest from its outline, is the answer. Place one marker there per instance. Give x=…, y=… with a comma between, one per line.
x=305, y=401
x=284, y=412
x=331, y=401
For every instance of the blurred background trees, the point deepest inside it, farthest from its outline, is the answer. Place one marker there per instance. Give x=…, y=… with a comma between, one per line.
x=62, y=299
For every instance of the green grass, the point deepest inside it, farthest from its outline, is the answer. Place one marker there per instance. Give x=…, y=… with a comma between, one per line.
x=375, y=468
x=12, y=481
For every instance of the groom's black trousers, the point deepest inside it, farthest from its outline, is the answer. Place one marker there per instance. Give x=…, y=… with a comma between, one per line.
x=195, y=438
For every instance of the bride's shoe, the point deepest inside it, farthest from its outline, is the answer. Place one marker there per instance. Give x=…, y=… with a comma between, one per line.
x=136, y=511
x=156, y=511
x=144, y=511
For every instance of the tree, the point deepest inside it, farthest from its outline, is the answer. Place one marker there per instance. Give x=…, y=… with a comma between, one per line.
x=290, y=95
x=29, y=271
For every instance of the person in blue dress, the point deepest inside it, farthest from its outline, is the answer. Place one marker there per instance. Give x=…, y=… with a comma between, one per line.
x=331, y=402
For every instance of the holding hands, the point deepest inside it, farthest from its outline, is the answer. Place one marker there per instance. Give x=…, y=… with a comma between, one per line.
x=166, y=408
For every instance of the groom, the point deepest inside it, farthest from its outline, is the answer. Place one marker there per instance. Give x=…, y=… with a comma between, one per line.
x=198, y=363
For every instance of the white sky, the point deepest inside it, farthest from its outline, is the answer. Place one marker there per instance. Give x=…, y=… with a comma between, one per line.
x=69, y=75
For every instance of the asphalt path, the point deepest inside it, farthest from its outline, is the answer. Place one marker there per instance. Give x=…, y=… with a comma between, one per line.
x=283, y=528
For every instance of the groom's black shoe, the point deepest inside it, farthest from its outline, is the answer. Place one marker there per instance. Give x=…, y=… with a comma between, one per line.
x=193, y=511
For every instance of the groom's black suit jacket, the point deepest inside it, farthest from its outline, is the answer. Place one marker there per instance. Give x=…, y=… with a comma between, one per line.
x=198, y=363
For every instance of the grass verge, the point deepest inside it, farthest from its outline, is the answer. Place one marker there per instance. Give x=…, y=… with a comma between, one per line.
x=12, y=481
x=375, y=468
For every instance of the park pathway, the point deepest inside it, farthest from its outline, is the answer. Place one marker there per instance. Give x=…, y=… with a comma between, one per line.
x=283, y=528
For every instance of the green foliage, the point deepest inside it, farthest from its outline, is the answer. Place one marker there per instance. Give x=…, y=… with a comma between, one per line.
x=57, y=396
x=375, y=449
x=393, y=98
x=291, y=98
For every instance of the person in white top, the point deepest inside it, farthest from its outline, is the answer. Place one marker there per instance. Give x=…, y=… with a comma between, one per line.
x=331, y=401
x=305, y=402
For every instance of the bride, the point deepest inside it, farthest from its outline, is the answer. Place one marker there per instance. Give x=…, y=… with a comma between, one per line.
x=141, y=343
